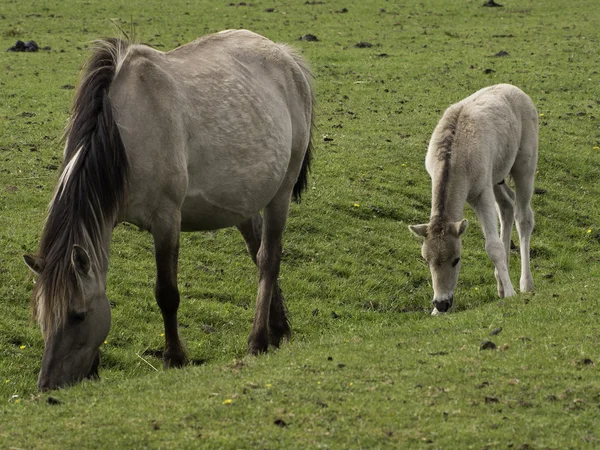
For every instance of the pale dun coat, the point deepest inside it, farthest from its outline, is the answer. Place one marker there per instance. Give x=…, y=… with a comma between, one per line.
x=477, y=144
x=199, y=138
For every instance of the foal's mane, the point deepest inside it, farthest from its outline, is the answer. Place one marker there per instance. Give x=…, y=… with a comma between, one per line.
x=90, y=190
x=443, y=149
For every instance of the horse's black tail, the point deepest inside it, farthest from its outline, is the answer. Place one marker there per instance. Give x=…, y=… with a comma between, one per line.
x=302, y=181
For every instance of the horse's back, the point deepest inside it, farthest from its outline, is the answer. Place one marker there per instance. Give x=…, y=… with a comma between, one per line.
x=217, y=126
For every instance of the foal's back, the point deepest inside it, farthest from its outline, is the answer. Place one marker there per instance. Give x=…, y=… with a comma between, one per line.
x=491, y=132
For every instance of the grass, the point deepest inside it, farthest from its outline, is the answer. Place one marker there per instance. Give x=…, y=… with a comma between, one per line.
x=367, y=366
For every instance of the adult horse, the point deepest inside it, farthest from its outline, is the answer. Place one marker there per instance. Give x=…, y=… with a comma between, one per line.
x=199, y=138
x=478, y=142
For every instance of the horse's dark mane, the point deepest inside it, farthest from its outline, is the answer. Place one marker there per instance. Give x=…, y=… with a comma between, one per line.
x=91, y=188
x=444, y=153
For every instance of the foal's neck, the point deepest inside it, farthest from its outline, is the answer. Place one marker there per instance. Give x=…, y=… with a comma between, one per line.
x=448, y=200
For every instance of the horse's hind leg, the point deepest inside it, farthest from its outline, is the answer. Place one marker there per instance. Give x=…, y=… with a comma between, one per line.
x=166, y=248
x=484, y=208
x=279, y=326
x=505, y=206
x=268, y=261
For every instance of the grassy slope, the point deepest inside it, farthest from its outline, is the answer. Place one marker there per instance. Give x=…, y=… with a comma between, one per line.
x=415, y=380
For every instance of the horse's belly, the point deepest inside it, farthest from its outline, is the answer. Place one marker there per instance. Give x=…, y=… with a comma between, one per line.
x=210, y=208
x=197, y=215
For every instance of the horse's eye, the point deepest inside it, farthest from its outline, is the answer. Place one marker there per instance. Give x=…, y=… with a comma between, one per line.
x=77, y=317
x=455, y=262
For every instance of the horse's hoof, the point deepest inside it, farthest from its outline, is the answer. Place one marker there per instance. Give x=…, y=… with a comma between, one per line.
x=278, y=335
x=256, y=350
x=174, y=360
x=258, y=343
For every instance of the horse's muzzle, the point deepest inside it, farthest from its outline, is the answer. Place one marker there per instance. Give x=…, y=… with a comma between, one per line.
x=443, y=305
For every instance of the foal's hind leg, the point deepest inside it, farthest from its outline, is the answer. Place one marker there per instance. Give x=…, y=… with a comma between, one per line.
x=279, y=326
x=484, y=208
x=166, y=249
x=525, y=224
x=268, y=260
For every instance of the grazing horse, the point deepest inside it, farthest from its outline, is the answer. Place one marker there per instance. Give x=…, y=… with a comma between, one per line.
x=199, y=138
x=477, y=144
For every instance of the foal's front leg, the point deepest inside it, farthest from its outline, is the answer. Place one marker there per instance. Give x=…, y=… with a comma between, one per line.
x=166, y=249
x=486, y=213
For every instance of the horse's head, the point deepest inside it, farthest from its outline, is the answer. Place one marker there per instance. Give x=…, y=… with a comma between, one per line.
x=74, y=326
x=442, y=249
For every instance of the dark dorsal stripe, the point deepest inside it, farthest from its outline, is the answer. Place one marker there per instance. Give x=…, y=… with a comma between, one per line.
x=444, y=154
x=88, y=200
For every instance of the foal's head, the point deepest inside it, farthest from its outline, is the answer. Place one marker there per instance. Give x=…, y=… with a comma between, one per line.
x=442, y=249
x=74, y=313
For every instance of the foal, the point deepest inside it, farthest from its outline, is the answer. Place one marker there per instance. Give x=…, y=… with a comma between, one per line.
x=478, y=143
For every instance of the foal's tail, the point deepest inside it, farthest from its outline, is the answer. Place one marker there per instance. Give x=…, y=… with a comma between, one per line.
x=302, y=181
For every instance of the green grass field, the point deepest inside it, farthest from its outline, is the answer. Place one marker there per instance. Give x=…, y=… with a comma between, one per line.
x=367, y=366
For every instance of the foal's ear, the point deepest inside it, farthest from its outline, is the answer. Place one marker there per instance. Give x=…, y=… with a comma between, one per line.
x=460, y=227
x=34, y=263
x=81, y=260
x=419, y=230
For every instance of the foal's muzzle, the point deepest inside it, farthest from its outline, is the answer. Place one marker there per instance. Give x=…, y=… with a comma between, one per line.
x=443, y=305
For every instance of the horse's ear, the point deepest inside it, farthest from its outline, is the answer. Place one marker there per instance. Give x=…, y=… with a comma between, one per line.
x=81, y=260
x=34, y=263
x=419, y=230
x=460, y=227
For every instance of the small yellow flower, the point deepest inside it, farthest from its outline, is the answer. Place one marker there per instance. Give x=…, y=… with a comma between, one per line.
x=268, y=385
x=318, y=382
x=596, y=147
x=589, y=231
x=356, y=205
x=105, y=342
x=162, y=334
x=7, y=381
x=22, y=347
x=403, y=165
x=542, y=115
x=227, y=401
x=350, y=384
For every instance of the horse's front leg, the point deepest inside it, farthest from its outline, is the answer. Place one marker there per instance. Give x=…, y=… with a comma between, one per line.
x=279, y=326
x=166, y=248
x=268, y=260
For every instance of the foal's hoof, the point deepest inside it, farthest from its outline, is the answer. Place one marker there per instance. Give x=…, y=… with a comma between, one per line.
x=507, y=293
x=435, y=312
